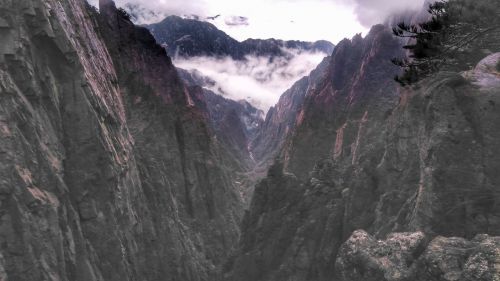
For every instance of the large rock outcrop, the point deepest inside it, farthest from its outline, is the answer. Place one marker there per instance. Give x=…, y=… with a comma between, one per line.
x=410, y=256
x=107, y=170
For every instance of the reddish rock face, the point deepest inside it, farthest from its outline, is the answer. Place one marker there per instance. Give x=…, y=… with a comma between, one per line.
x=364, y=154
x=281, y=119
x=179, y=159
x=357, y=81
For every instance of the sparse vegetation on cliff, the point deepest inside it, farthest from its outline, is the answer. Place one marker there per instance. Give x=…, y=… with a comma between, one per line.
x=456, y=37
x=124, y=14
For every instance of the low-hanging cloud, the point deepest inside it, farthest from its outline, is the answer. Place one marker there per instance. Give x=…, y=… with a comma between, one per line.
x=332, y=19
x=370, y=12
x=147, y=11
x=259, y=80
x=236, y=21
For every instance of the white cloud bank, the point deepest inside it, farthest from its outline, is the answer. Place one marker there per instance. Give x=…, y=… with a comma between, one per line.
x=258, y=80
x=370, y=12
x=307, y=20
x=151, y=11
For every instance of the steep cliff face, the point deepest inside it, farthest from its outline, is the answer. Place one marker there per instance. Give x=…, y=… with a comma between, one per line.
x=108, y=171
x=111, y=170
x=235, y=123
x=176, y=152
x=356, y=88
x=364, y=156
x=281, y=118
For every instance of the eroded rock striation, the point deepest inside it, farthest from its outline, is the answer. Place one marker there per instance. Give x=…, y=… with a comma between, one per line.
x=235, y=125
x=364, y=154
x=281, y=119
x=108, y=171
x=112, y=166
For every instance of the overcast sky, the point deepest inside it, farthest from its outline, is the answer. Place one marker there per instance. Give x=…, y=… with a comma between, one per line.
x=307, y=20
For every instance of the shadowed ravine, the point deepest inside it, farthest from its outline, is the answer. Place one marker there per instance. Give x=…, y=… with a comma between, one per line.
x=115, y=165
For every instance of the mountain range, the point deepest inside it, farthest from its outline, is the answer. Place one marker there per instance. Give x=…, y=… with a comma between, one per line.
x=117, y=165
x=189, y=38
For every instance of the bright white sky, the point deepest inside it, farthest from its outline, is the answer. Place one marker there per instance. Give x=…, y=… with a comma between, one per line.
x=288, y=20
x=307, y=20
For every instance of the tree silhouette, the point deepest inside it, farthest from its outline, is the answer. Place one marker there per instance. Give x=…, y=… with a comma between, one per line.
x=124, y=14
x=450, y=40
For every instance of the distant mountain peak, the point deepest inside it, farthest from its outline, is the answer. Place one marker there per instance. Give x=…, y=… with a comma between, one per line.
x=207, y=40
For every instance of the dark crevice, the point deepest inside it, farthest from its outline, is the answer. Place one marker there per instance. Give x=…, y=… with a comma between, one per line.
x=179, y=133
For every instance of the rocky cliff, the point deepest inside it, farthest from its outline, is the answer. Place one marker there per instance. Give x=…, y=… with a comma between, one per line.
x=411, y=256
x=108, y=170
x=356, y=87
x=235, y=125
x=112, y=168
x=281, y=118
x=410, y=166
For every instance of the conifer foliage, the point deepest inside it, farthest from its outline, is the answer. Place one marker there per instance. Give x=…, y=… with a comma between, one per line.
x=455, y=38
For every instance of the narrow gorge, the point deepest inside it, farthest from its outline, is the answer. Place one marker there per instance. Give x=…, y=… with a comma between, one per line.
x=116, y=164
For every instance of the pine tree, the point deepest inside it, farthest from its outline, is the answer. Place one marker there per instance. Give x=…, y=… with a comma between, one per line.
x=450, y=40
x=124, y=14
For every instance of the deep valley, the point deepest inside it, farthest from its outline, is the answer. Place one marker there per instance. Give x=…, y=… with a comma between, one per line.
x=117, y=164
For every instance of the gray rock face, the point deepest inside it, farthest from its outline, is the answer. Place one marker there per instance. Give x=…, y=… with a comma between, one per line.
x=369, y=156
x=235, y=125
x=290, y=231
x=452, y=153
x=362, y=257
x=356, y=87
x=107, y=170
x=280, y=120
x=409, y=256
